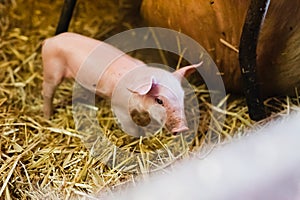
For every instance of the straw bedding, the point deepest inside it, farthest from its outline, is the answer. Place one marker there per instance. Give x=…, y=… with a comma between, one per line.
x=52, y=159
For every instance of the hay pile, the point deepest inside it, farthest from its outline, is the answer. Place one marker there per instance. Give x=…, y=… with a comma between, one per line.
x=42, y=158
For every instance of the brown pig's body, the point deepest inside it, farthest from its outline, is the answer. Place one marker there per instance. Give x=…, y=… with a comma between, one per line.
x=278, y=51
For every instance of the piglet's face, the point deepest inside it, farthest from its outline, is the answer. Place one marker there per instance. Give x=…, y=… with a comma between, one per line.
x=162, y=101
x=148, y=98
x=158, y=102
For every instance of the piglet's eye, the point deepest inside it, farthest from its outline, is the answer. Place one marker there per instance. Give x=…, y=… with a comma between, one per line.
x=159, y=101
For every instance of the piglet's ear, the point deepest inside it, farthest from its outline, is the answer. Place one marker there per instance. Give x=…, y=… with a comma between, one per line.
x=148, y=87
x=186, y=71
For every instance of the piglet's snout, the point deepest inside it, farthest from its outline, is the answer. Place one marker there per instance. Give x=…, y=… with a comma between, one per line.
x=179, y=129
x=176, y=122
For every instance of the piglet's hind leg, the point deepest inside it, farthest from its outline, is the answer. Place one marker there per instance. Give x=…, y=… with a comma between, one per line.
x=54, y=70
x=48, y=93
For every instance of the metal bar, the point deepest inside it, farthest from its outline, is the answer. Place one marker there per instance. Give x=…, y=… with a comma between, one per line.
x=66, y=16
x=247, y=57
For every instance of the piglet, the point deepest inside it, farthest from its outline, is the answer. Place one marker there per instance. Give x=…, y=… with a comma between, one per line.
x=135, y=89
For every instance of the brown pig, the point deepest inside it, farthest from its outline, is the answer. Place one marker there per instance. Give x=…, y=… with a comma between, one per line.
x=133, y=87
x=217, y=26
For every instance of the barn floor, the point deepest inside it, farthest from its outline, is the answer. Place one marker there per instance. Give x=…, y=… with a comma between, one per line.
x=42, y=158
